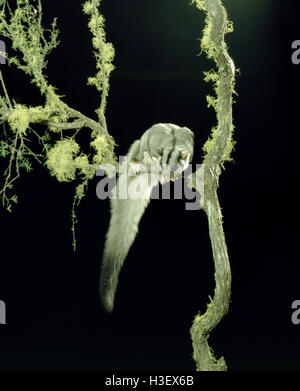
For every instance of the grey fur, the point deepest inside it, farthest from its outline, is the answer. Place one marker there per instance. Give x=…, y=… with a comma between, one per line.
x=165, y=145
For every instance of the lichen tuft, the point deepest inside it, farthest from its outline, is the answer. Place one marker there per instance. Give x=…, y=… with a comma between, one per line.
x=60, y=160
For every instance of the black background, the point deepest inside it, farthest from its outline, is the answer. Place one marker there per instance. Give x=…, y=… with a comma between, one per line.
x=55, y=320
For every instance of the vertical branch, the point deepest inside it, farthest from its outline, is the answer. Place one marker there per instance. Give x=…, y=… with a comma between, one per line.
x=104, y=53
x=218, y=149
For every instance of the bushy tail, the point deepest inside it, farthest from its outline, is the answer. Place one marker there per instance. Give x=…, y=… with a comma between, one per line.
x=125, y=217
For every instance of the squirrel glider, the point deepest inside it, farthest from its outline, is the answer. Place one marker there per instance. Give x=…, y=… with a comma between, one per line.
x=162, y=153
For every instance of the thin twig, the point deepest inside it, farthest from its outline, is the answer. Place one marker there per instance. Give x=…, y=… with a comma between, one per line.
x=5, y=91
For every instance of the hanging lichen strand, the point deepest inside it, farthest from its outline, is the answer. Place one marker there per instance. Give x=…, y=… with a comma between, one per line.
x=54, y=123
x=217, y=152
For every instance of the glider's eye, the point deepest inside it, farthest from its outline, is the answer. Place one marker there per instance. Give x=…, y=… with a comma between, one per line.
x=184, y=154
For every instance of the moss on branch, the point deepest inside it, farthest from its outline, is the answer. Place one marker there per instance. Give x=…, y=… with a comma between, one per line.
x=217, y=149
x=53, y=123
x=104, y=53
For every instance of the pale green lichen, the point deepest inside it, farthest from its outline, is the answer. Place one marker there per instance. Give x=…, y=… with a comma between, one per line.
x=32, y=43
x=102, y=148
x=199, y=4
x=217, y=151
x=80, y=190
x=60, y=160
x=38, y=114
x=211, y=139
x=19, y=119
x=84, y=166
x=56, y=107
x=229, y=148
x=28, y=36
x=211, y=101
x=212, y=43
x=104, y=53
x=21, y=116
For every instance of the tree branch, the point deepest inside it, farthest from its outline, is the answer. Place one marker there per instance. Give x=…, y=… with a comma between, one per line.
x=218, y=149
x=23, y=26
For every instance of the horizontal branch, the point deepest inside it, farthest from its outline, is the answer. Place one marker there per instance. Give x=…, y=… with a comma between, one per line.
x=80, y=121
